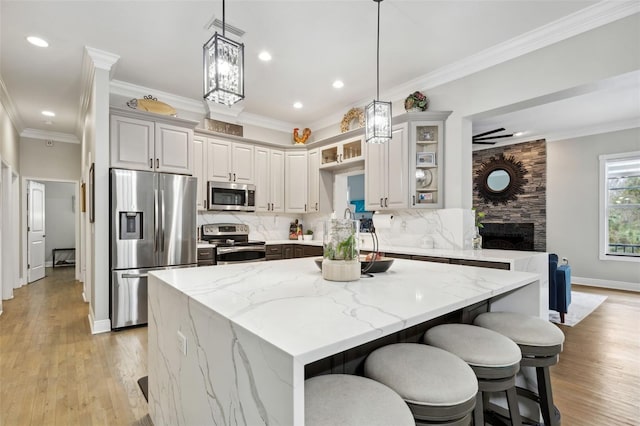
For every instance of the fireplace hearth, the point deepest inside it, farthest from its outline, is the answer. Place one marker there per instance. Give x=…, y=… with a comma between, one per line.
x=507, y=236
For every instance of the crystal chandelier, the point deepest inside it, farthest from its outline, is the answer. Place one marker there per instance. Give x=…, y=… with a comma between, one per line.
x=223, y=68
x=378, y=113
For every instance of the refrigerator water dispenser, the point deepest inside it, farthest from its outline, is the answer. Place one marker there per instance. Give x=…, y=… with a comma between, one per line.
x=131, y=226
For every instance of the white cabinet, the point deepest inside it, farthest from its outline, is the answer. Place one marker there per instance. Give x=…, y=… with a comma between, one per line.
x=426, y=159
x=141, y=143
x=230, y=161
x=200, y=170
x=313, y=180
x=295, y=191
x=342, y=154
x=386, y=185
x=269, y=178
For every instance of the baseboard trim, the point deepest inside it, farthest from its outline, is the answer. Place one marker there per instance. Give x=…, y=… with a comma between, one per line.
x=48, y=263
x=99, y=326
x=84, y=297
x=615, y=285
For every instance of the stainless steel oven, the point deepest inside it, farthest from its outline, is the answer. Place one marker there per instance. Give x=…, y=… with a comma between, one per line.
x=231, y=196
x=232, y=244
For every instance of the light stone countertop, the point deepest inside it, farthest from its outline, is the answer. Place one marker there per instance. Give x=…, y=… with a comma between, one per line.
x=289, y=305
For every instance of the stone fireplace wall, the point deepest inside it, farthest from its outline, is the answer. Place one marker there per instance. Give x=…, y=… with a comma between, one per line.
x=531, y=206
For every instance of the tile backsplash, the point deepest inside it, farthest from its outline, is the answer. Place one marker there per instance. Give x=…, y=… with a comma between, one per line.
x=444, y=229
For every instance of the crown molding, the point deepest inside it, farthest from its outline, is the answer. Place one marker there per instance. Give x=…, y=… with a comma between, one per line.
x=598, y=129
x=584, y=20
x=101, y=59
x=10, y=107
x=579, y=22
x=48, y=135
x=267, y=123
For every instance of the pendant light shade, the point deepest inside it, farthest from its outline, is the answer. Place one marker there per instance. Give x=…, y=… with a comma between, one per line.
x=377, y=114
x=223, y=68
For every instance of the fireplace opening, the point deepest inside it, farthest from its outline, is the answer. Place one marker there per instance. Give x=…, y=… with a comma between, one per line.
x=507, y=236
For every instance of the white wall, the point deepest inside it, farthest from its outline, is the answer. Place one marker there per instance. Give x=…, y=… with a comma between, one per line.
x=60, y=211
x=573, y=207
x=58, y=162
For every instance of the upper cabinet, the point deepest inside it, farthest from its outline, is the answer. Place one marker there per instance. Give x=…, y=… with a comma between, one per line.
x=230, y=161
x=269, y=176
x=142, y=141
x=385, y=171
x=296, y=169
x=200, y=170
x=342, y=154
x=426, y=159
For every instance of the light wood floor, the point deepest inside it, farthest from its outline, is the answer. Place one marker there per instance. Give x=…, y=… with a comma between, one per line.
x=54, y=372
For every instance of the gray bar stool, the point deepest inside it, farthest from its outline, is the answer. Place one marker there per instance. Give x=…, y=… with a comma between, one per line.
x=540, y=343
x=342, y=399
x=494, y=358
x=439, y=387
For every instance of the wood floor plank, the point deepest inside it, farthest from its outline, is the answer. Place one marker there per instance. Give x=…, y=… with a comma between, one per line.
x=53, y=371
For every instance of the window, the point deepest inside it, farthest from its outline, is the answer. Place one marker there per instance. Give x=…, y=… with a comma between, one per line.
x=620, y=206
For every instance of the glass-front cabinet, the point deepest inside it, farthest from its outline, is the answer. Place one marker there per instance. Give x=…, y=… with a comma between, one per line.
x=426, y=159
x=341, y=154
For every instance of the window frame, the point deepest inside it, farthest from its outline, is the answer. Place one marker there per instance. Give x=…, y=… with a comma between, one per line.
x=603, y=224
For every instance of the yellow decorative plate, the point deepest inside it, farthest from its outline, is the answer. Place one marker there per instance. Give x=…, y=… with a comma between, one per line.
x=151, y=104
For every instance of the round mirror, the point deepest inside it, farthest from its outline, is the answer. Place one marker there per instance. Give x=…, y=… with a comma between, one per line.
x=498, y=180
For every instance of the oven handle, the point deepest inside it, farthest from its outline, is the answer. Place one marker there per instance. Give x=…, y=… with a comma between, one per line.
x=236, y=249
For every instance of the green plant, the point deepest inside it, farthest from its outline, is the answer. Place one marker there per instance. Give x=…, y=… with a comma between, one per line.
x=309, y=232
x=479, y=216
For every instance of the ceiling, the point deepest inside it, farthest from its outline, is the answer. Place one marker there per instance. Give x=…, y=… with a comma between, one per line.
x=313, y=43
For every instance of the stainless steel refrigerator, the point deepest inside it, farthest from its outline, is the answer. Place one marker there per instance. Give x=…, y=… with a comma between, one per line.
x=153, y=226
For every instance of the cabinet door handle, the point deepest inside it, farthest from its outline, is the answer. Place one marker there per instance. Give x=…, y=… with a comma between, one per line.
x=305, y=207
x=414, y=200
x=157, y=163
x=204, y=203
x=381, y=203
x=340, y=159
x=316, y=206
x=386, y=204
x=229, y=177
x=151, y=163
x=234, y=177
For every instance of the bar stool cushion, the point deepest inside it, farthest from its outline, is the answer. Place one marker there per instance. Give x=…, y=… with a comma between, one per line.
x=422, y=375
x=477, y=346
x=343, y=399
x=523, y=329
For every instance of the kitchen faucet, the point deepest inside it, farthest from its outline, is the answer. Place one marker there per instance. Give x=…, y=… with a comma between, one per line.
x=348, y=214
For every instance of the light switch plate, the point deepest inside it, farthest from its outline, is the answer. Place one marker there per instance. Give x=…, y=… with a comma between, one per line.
x=182, y=343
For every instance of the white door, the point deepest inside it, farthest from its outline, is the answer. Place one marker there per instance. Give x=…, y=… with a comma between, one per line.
x=276, y=171
x=295, y=190
x=35, y=231
x=263, y=187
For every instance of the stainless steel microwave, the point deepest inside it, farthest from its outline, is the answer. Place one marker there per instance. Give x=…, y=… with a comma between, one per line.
x=231, y=196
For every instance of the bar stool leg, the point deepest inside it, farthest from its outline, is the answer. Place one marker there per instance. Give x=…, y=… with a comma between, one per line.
x=514, y=410
x=546, y=396
x=478, y=412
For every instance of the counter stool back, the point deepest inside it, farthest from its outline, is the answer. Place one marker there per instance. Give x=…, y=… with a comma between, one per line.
x=494, y=358
x=439, y=387
x=540, y=343
x=348, y=400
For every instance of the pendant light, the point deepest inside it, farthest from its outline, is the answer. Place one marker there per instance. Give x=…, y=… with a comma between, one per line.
x=378, y=113
x=223, y=68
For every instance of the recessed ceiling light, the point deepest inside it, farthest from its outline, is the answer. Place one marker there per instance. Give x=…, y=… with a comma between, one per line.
x=264, y=56
x=49, y=113
x=518, y=134
x=297, y=105
x=338, y=84
x=37, y=41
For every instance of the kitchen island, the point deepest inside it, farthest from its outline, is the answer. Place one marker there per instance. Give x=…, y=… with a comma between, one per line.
x=229, y=344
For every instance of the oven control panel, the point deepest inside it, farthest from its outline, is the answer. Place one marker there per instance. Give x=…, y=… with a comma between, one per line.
x=216, y=229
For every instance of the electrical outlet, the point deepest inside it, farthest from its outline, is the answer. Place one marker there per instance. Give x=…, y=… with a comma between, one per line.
x=182, y=343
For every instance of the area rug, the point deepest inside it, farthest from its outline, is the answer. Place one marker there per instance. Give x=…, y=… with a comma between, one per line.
x=582, y=304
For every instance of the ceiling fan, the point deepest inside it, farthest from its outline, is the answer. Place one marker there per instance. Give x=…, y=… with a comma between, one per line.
x=484, y=138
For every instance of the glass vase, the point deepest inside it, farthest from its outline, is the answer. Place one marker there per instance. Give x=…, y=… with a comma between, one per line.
x=476, y=242
x=341, y=254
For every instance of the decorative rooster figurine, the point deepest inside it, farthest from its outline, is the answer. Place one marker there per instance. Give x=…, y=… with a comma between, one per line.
x=301, y=139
